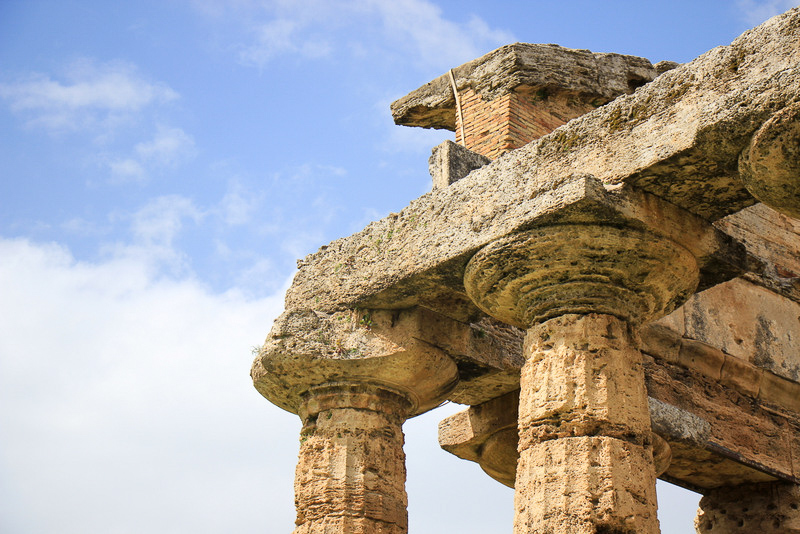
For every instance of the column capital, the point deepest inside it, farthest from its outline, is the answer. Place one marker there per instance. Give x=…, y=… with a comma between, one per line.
x=770, y=165
x=628, y=272
x=349, y=351
x=357, y=395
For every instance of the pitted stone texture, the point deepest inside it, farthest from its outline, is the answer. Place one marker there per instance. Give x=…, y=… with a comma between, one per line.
x=487, y=434
x=586, y=485
x=747, y=322
x=350, y=478
x=678, y=137
x=306, y=349
x=772, y=508
x=770, y=166
x=774, y=239
x=583, y=376
x=586, y=462
x=545, y=272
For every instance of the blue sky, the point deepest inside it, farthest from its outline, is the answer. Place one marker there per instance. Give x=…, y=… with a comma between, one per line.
x=164, y=165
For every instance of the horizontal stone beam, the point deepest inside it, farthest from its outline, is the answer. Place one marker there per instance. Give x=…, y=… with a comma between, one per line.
x=677, y=138
x=717, y=436
x=418, y=257
x=727, y=421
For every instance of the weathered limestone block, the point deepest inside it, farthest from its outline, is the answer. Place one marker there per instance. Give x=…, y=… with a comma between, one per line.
x=580, y=268
x=450, y=162
x=586, y=458
x=487, y=434
x=585, y=378
x=770, y=166
x=747, y=322
x=772, y=508
x=306, y=349
x=586, y=485
x=772, y=237
x=678, y=137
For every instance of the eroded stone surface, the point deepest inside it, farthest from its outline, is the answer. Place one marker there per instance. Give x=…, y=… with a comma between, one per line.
x=721, y=430
x=774, y=238
x=678, y=137
x=770, y=166
x=748, y=322
x=350, y=477
x=662, y=163
x=307, y=349
x=586, y=461
x=450, y=162
x=586, y=485
x=772, y=508
x=553, y=270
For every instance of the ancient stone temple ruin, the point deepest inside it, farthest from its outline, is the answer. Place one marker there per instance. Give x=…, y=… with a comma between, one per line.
x=607, y=272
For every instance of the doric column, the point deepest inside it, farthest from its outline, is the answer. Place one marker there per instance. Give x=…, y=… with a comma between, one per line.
x=770, y=507
x=353, y=378
x=351, y=474
x=586, y=458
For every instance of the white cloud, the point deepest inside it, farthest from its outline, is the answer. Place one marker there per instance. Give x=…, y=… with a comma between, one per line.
x=319, y=28
x=91, y=94
x=153, y=230
x=757, y=11
x=169, y=148
x=127, y=170
x=238, y=205
x=126, y=405
x=160, y=220
x=280, y=36
x=437, y=41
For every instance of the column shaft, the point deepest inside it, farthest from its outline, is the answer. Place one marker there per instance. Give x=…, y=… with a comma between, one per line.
x=350, y=478
x=586, y=463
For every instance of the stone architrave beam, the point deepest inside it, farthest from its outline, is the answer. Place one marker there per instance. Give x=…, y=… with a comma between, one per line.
x=770, y=507
x=678, y=138
x=418, y=258
x=703, y=400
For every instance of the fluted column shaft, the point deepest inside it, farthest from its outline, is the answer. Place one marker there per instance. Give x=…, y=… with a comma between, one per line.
x=350, y=478
x=586, y=462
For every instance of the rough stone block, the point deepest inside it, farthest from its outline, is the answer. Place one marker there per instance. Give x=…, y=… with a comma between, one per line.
x=450, y=162
x=749, y=322
x=772, y=508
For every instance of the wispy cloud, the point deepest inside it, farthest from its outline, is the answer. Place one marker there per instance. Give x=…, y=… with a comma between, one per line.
x=160, y=220
x=318, y=28
x=90, y=94
x=435, y=40
x=168, y=148
x=757, y=11
x=238, y=205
